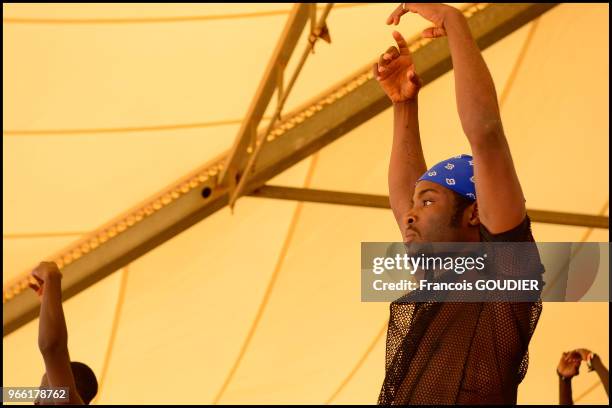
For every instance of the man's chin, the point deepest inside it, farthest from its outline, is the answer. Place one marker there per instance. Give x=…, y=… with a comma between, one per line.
x=416, y=247
x=412, y=237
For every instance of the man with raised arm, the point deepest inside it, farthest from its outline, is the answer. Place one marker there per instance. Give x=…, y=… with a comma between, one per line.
x=53, y=341
x=569, y=367
x=453, y=352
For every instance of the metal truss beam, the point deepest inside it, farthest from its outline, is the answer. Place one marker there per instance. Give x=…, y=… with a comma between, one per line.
x=382, y=201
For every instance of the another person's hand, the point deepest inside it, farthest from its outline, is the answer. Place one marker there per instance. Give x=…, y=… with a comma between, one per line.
x=584, y=353
x=395, y=72
x=569, y=365
x=43, y=273
x=434, y=12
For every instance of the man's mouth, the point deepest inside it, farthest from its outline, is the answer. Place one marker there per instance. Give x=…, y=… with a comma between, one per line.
x=410, y=236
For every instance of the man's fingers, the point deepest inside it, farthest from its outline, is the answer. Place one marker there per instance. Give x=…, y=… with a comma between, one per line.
x=381, y=75
x=37, y=274
x=34, y=280
x=434, y=32
x=391, y=18
x=375, y=71
x=397, y=19
x=413, y=7
x=402, y=45
x=50, y=266
x=391, y=53
x=385, y=58
x=381, y=64
x=36, y=284
x=395, y=16
x=583, y=352
x=384, y=62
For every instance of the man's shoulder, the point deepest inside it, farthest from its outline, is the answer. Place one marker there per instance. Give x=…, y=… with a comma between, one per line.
x=520, y=233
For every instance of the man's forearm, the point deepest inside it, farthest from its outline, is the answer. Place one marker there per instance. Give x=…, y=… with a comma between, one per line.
x=565, y=392
x=407, y=162
x=474, y=87
x=52, y=326
x=602, y=372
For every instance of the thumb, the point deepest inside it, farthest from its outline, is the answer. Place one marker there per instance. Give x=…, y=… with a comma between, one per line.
x=414, y=78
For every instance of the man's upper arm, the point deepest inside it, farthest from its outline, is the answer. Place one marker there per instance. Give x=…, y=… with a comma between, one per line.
x=501, y=204
x=407, y=162
x=59, y=373
x=514, y=322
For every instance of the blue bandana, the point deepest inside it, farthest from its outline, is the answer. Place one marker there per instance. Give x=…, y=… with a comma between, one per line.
x=456, y=173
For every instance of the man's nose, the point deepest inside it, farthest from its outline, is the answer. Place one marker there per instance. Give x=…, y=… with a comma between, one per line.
x=411, y=218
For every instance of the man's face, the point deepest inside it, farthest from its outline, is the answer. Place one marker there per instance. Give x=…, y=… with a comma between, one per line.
x=429, y=220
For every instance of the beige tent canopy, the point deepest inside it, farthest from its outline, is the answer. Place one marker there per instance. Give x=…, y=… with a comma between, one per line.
x=108, y=105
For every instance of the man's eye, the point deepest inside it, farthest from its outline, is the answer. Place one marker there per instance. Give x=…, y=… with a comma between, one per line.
x=427, y=202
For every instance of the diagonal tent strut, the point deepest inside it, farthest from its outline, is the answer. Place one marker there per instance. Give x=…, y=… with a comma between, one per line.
x=199, y=194
x=272, y=79
x=317, y=30
x=382, y=201
x=242, y=158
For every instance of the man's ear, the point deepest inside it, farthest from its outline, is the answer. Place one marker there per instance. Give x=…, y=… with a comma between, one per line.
x=473, y=219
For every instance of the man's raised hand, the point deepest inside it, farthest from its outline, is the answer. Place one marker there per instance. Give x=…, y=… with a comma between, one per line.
x=569, y=365
x=396, y=73
x=43, y=273
x=434, y=12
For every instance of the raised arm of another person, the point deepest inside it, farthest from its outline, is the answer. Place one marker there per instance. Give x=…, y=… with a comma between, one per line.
x=501, y=205
x=52, y=332
x=568, y=367
x=594, y=363
x=396, y=75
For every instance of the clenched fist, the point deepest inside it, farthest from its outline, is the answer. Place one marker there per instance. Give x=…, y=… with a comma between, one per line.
x=44, y=273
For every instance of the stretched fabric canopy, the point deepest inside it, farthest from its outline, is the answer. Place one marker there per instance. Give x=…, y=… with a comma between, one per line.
x=105, y=104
